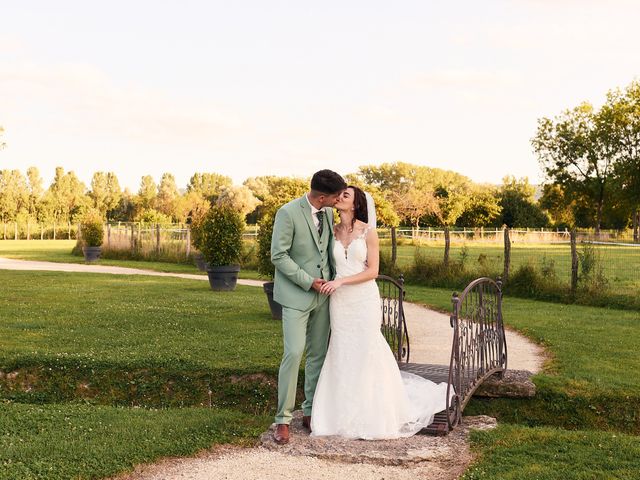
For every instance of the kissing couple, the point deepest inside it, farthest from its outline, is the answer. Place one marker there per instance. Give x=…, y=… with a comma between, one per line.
x=325, y=281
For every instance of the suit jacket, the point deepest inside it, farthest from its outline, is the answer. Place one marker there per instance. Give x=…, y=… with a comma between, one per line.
x=299, y=255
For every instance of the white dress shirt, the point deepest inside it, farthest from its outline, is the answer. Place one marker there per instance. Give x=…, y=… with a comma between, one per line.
x=314, y=210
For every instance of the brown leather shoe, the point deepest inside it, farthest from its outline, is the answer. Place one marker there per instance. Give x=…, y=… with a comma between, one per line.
x=306, y=422
x=281, y=435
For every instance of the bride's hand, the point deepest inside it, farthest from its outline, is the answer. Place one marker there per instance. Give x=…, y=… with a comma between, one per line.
x=330, y=287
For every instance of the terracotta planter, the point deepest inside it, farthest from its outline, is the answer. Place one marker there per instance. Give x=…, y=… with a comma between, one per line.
x=224, y=278
x=276, y=308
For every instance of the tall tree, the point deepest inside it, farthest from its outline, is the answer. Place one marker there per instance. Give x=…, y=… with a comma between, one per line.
x=413, y=204
x=518, y=204
x=67, y=196
x=105, y=192
x=560, y=206
x=623, y=108
x=14, y=194
x=239, y=198
x=147, y=193
x=36, y=190
x=482, y=208
x=578, y=150
x=209, y=185
x=167, y=195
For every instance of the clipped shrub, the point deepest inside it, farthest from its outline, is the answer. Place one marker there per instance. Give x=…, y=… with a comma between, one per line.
x=221, y=240
x=92, y=230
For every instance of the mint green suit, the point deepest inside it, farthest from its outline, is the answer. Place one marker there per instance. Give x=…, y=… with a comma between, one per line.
x=300, y=256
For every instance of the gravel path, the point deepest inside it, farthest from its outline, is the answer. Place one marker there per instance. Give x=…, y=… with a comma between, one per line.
x=420, y=457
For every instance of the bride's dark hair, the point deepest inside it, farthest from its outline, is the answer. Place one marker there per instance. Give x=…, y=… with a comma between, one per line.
x=359, y=206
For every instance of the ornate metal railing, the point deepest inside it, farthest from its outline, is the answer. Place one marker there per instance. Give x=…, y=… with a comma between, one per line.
x=393, y=325
x=479, y=347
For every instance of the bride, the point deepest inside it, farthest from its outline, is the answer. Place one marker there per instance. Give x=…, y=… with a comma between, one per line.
x=361, y=393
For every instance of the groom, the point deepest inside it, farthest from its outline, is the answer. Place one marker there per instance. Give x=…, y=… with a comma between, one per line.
x=301, y=248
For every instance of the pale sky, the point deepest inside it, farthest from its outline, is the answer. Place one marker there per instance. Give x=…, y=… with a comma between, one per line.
x=247, y=88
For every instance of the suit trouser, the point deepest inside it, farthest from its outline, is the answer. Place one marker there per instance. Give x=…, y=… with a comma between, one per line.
x=304, y=332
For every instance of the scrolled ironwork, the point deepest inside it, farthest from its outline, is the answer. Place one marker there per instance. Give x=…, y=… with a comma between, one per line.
x=479, y=347
x=393, y=325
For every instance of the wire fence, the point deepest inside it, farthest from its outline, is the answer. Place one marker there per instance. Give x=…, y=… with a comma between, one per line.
x=607, y=261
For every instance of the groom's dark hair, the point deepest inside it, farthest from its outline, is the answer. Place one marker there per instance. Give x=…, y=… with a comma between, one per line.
x=327, y=182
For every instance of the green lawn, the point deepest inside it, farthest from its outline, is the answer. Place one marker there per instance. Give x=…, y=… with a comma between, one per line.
x=114, y=342
x=133, y=321
x=78, y=350
x=512, y=452
x=64, y=441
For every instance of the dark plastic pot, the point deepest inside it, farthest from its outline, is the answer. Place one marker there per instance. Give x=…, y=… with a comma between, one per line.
x=276, y=308
x=91, y=254
x=224, y=278
x=200, y=263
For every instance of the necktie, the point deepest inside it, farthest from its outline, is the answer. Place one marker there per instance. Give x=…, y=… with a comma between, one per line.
x=320, y=215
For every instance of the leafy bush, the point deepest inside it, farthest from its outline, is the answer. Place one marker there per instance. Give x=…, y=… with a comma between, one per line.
x=196, y=231
x=265, y=267
x=92, y=230
x=591, y=277
x=433, y=272
x=222, y=230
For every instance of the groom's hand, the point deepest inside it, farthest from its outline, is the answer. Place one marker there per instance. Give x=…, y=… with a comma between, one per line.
x=317, y=284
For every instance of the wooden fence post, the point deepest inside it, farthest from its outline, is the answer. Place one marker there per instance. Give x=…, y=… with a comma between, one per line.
x=394, y=246
x=188, y=241
x=133, y=238
x=108, y=235
x=574, y=262
x=158, y=238
x=54, y=230
x=636, y=226
x=41, y=227
x=507, y=255
x=447, y=246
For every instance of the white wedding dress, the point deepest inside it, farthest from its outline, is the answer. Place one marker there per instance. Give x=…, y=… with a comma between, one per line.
x=361, y=393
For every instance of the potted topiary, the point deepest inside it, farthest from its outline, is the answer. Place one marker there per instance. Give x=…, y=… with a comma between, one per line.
x=92, y=234
x=222, y=229
x=265, y=267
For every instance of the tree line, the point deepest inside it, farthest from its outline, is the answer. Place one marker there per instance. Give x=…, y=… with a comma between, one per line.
x=404, y=193
x=590, y=157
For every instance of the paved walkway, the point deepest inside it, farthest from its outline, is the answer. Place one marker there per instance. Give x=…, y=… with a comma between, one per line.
x=420, y=457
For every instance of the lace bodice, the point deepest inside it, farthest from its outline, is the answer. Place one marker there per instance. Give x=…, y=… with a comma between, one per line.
x=352, y=259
